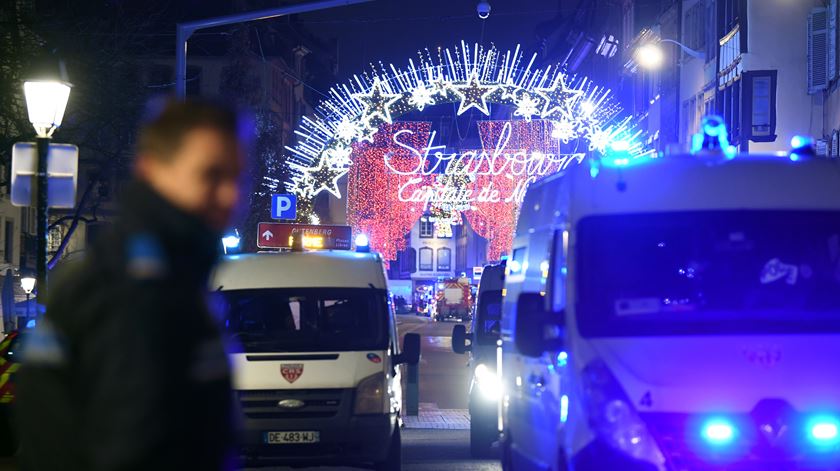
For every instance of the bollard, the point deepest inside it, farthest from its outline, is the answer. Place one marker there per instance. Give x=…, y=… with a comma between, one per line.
x=412, y=393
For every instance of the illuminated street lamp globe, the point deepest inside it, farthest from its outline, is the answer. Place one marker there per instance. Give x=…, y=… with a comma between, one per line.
x=47, y=92
x=27, y=283
x=650, y=56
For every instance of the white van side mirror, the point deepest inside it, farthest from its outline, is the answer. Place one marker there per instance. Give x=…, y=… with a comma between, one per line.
x=410, y=350
x=537, y=329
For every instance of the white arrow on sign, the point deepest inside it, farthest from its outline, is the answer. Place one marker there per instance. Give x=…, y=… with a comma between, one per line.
x=267, y=235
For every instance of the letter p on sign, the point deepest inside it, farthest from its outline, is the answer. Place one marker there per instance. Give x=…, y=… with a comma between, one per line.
x=284, y=206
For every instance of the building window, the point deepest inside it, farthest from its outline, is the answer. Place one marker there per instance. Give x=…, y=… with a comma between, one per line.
x=444, y=261
x=608, y=46
x=760, y=105
x=711, y=32
x=730, y=58
x=733, y=14
x=426, y=259
x=427, y=228
x=694, y=27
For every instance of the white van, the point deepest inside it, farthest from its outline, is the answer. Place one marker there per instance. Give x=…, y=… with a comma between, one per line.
x=678, y=315
x=315, y=357
x=481, y=343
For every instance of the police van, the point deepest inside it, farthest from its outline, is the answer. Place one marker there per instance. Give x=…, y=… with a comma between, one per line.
x=676, y=313
x=315, y=357
x=481, y=343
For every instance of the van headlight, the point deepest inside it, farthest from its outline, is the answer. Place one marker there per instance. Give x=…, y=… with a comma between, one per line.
x=372, y=396
x=613, y=417
x=488, y=382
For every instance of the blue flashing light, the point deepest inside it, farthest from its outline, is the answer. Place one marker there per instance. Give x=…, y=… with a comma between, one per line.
x=713, y=137
x=799, y=142
x=362, y=240
x=730, y=152
x=564, y=408
x=824, y=431
x=594, y=170
x=714, y=126
x=562, y=359
x=718, y=432
x=230, y=241
x=30, y=324
x=362, y=243
x=794, y=157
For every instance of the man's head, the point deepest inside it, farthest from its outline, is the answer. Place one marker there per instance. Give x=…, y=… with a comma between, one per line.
x=190, y=155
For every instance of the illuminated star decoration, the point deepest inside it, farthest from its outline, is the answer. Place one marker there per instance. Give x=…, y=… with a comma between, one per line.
x=323, y=178
x=473, y=95
x=559, y=98
x=422, y=96
x=377, y=103
x=526, y=107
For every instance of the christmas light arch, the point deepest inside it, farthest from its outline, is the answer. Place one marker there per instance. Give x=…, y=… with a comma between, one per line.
x=344, y=133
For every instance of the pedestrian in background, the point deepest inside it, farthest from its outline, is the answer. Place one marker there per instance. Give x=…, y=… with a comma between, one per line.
x=127, y=370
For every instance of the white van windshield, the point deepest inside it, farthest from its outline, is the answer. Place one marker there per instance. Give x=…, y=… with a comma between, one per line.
x=710, y=272
x=305, y=319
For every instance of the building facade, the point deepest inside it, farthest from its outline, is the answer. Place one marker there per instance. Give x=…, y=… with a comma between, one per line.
x=753, y=70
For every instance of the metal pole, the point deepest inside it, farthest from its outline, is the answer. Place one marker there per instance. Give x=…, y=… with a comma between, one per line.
x=412, y=393
x=40, y=194
x=183, y=31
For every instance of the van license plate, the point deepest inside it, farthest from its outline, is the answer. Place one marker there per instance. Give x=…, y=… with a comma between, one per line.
x=281, y=438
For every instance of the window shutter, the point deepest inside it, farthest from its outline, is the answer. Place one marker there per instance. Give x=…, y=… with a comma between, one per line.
x=818, y=54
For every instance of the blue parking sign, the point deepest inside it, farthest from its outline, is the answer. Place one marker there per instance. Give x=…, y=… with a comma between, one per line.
x=284, y=206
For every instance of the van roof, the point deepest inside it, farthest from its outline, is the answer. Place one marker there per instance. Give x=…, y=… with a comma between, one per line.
x=686, y=183
x=317, y=269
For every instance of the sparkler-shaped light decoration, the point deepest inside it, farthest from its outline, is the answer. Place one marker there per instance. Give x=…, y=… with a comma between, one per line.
x=527, y=107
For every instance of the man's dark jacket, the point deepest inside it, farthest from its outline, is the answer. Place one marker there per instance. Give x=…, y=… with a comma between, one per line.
x=128, y=371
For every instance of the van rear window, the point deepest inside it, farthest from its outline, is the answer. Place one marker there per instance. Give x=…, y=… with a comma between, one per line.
x=305, y=319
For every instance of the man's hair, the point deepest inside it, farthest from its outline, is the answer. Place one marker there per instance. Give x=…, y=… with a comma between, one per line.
x=163, y=135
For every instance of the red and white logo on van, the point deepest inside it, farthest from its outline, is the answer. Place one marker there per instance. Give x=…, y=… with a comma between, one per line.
x=291, y=371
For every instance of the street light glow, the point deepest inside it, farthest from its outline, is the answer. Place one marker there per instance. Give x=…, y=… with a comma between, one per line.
x=650, y=56
x=28, y=284
x=46, y=101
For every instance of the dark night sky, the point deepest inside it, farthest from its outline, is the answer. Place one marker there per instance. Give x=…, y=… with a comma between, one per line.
x=394, y=30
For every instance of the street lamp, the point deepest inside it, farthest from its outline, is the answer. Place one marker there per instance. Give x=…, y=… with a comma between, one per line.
x=28, y=285
x=46, y=92
x=651, y=56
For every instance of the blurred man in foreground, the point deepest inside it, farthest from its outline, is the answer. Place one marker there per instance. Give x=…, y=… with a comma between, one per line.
x=127, y=371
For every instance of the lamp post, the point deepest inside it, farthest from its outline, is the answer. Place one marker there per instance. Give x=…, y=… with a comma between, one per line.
x=46, y=94
x=28, y=284
x=651, y=56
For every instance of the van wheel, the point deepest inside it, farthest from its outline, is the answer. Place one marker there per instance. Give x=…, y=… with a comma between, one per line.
x=507, y=459
x=481, y=442
x=393, y=462
x=8, y=438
